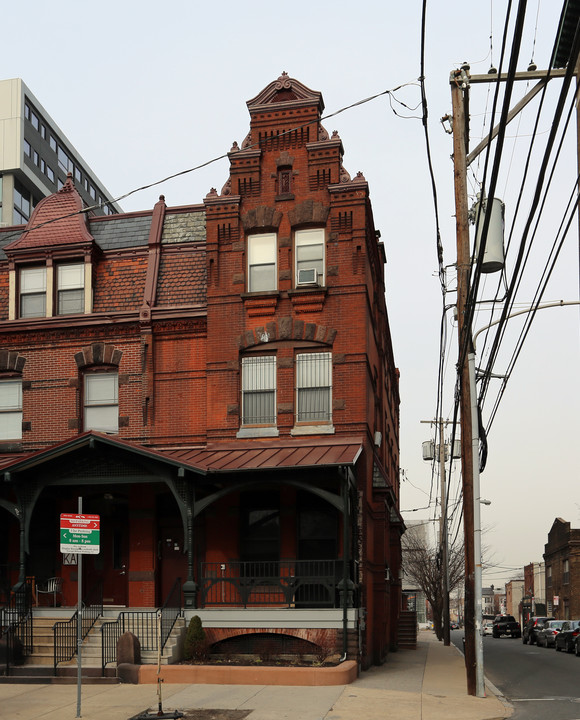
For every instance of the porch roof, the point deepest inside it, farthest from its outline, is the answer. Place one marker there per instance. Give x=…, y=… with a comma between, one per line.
x=254, y=455
x=234, y=456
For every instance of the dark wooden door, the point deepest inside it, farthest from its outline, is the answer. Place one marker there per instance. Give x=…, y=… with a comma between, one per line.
x=111, y=565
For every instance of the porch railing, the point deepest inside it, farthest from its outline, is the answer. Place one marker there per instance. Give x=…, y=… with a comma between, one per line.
x=66, y=631
x=16, y=629
x=282, y=583
x=144, y=624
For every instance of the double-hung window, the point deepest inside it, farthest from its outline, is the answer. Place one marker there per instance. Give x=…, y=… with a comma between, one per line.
x=32, y=292
x=262, y=252
x=101, y=402
x=314, y=388
x=70, y=288
x=259, y=390
x=309, y=255
x=10, y=409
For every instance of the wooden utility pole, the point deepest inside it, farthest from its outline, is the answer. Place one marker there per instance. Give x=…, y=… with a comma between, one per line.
x=459, y=97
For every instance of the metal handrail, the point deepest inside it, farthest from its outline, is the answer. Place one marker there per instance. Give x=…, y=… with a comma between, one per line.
x=170, y=612
x=66, y=631
x=144, y=624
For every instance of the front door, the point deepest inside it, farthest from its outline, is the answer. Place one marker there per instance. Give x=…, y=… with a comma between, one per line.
x=111, y=565
x=172, y=559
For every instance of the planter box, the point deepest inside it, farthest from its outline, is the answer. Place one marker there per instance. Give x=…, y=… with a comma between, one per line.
x=342, y=674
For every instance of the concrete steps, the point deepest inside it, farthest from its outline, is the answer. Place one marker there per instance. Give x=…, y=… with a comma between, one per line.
x=39, y=666
x=407, y=630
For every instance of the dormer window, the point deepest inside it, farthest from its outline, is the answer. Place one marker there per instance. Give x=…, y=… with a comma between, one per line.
x=48, y=290
x=70, y=289
x=32, y=292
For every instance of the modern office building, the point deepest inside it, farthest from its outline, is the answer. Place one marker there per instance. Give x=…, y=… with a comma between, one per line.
x=35, y=158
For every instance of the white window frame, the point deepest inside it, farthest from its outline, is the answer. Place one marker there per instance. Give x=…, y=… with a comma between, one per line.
x=70, y=282
x=262, y=262
x=31, y=283
x=11, y=409
x=259, y=389
x=307, y=255
x=101, y=402
x=314, y=389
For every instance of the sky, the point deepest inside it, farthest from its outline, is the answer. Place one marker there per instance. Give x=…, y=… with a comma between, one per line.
x=145, y=91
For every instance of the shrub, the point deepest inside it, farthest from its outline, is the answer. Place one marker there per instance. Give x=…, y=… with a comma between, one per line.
x=195, y=646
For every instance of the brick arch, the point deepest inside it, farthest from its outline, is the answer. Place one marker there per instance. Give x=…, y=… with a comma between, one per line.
x=287, y=328
x=98, y=354
x=11, y=361
x=263, y=217
x=307, y=213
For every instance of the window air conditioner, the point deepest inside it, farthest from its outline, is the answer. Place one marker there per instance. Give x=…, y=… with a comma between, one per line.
x=308, y=276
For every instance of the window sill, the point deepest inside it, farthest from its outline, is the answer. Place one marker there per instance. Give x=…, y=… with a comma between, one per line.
x=308, y=298
x=312, y=430
x=263, y=303
x=255, y=432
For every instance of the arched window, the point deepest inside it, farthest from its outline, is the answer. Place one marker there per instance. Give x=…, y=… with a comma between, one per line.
x=101, y=400
x=10, y=408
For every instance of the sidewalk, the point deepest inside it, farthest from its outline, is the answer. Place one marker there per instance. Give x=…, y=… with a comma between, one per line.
x=424, y=684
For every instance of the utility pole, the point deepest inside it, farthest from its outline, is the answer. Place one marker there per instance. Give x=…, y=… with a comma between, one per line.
x=460, y=81
x=459, y=97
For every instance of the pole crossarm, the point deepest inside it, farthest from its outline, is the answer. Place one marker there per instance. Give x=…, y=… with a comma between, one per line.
x=528, y=75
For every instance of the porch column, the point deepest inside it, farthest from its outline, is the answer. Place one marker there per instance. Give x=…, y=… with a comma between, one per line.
x=21, y=582
x=190, y=586
x=346, y=585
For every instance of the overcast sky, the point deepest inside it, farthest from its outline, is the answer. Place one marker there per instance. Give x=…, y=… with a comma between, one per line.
x=145, y=90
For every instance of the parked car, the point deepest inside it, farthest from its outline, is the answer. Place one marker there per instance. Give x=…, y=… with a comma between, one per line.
x=506, y=625
x=565, y=639
x=487, y=627
x=532, y=627
x=546, y=636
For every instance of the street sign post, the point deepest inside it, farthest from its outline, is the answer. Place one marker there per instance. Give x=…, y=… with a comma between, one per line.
x=80, y=533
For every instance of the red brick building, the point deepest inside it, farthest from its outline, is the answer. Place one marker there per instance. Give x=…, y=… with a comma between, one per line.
x=217, y=383
x=562, y=558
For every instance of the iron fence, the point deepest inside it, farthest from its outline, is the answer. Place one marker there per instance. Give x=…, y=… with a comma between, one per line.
x=16, y=629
